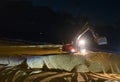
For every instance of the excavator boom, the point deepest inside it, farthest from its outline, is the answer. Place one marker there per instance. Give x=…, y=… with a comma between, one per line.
x=99, y=40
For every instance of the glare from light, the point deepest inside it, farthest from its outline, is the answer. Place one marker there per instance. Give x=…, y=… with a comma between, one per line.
x=83, y=51
x=82, y=42
x=72, y=50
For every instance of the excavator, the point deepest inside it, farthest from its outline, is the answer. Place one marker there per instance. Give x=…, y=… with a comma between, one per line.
x=78, y=44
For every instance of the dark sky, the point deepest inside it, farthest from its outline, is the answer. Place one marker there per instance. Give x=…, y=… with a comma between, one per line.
x=99, y=12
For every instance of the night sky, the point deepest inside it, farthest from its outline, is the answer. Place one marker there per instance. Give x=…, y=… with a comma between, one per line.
x=99, y=12
x=58, y=21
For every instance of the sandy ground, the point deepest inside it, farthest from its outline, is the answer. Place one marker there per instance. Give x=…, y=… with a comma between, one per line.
x=28, y=50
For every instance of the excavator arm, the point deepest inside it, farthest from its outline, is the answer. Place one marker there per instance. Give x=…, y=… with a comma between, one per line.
x=99, y=40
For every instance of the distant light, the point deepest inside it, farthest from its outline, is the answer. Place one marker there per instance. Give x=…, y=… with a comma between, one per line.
x=41, y=33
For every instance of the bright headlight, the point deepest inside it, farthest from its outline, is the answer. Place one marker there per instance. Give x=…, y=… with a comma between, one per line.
x=81, y=42
x=72, y=50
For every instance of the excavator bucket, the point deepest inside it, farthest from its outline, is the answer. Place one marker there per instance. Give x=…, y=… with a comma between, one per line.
x=102, y=41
